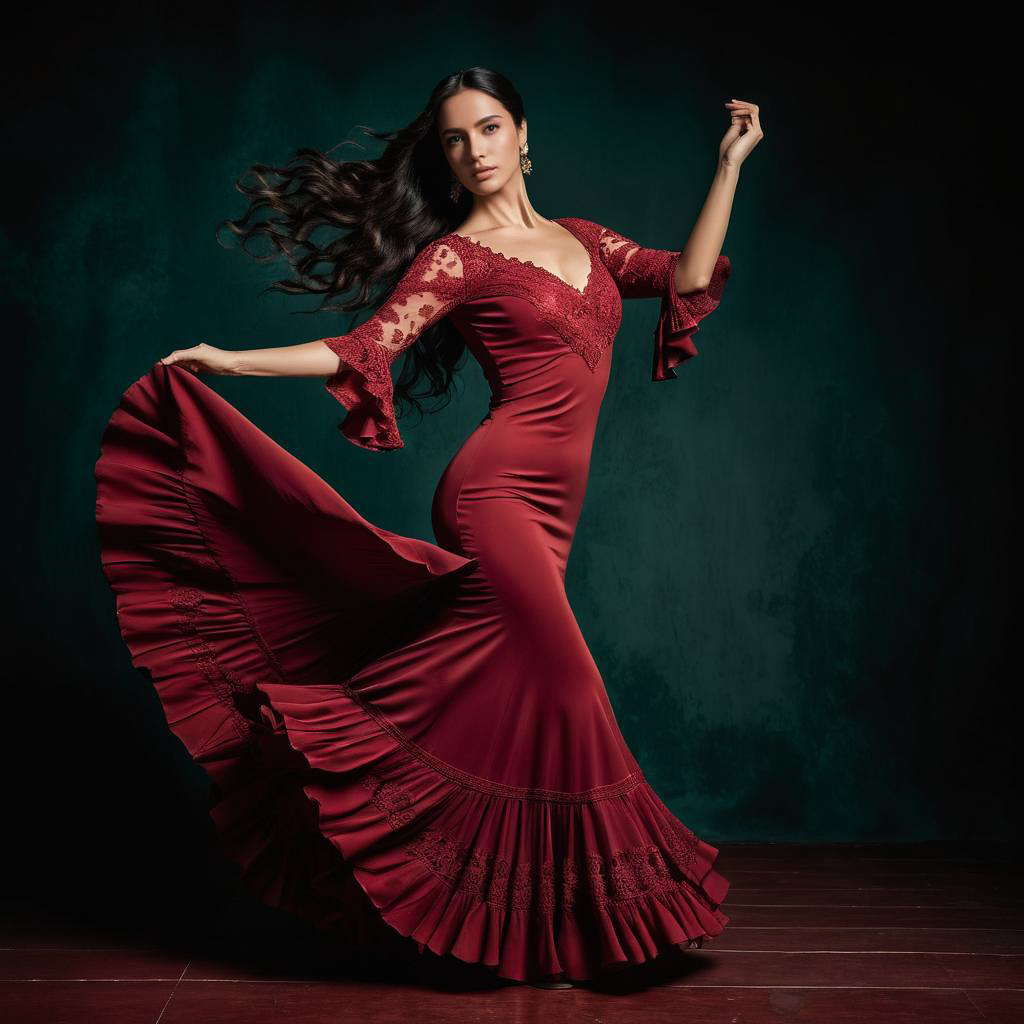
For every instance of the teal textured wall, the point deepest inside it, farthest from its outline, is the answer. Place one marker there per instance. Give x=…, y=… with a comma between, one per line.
x=790, y=563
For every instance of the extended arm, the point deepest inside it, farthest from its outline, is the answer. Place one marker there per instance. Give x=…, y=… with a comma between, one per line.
x=309, y=359
x=357, y=365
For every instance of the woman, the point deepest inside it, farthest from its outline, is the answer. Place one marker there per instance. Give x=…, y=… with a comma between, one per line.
x=408, y=739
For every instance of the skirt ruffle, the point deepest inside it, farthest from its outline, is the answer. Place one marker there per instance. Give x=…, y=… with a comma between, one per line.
x=250, y=593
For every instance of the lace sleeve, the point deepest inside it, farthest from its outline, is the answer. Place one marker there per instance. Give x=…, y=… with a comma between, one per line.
x=433, y=285
x=641, y=273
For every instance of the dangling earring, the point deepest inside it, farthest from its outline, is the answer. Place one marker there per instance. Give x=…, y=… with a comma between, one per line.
x=456, y=189
x=525, y=163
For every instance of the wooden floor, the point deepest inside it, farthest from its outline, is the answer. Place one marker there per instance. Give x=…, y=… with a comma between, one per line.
x=831, y=933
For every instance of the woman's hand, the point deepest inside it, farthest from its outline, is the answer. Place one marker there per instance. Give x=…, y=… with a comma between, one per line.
x=743, y=135
x=203, y=358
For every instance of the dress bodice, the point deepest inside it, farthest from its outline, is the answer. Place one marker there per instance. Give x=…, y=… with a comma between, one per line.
x=520, y=321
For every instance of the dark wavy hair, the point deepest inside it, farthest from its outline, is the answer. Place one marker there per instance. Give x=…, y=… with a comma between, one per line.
x=391, y=207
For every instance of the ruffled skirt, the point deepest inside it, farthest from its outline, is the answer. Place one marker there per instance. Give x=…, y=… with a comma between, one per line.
x=256, y=600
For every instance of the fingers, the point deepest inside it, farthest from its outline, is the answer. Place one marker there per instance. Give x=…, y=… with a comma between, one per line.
x=179, y=358
x=179, y=355
x=746, y=114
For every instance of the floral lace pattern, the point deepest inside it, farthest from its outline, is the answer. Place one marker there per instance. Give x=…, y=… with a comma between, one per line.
x=587, y=321
x=639, y=273
x=643, y=273
x=628, y=874
x=455, y=268
x=188, y=603
x=432, y=286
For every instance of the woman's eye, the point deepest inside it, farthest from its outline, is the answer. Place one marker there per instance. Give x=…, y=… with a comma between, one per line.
x=453, y=138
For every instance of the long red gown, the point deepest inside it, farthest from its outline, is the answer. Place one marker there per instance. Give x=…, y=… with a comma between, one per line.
x=398, y=731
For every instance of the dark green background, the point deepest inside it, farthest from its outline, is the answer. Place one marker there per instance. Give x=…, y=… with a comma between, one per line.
x=792, y=566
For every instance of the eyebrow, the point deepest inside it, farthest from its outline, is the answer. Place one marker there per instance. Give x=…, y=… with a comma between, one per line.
x=475, y=123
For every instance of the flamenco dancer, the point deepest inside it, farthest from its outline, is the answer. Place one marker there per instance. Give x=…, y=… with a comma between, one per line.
x=409, y=743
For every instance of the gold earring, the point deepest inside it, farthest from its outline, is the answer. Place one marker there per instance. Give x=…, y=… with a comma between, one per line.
x=525, y=163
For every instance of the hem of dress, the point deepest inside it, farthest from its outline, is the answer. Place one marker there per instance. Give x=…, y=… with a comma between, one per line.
x=330, y=812
x=385, y=810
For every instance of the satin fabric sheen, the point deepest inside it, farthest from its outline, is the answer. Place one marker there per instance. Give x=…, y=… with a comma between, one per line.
x=405, y=739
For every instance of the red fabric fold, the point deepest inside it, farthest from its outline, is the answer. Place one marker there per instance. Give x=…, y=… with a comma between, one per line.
x=680, y=316
x=251, y=592
x=530, y=887
x=233, y=563
x=364, y=386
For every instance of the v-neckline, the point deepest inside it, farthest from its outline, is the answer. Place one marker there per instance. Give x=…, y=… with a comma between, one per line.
x=534, y=266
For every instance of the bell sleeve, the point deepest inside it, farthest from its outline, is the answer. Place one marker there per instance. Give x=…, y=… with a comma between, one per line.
x=642, y=273
x=433, y=285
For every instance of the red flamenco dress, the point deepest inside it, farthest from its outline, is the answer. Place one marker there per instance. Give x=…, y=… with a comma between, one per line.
x=398, y=731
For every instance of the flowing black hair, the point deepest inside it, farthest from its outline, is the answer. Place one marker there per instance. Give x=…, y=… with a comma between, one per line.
x=388, y=209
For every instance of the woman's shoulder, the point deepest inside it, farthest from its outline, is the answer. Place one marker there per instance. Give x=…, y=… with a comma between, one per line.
x=582, y=224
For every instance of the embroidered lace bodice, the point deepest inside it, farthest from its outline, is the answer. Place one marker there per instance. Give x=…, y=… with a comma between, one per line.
x=454, y=269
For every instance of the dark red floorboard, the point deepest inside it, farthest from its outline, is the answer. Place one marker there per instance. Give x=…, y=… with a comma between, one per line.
x=833, y=933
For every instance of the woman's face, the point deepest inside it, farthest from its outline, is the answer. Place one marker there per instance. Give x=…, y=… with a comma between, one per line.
x=478, y=132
